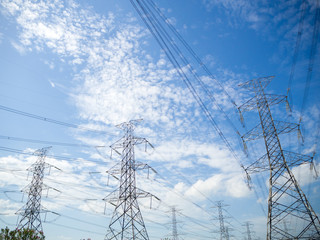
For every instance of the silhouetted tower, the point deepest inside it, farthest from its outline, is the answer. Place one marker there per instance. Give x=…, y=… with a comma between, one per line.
x=174, y=224
x=30, y=213
x=248, y=232
x=127, y=222
x=224, y=231
x=227, y=233
x=286, y=200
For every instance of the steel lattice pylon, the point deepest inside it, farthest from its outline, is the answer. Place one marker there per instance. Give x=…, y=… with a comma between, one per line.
x=223, y=230
x=248, y=232
x=31, y=211
x=174, y=224
x=127, y=222
x=286, y=200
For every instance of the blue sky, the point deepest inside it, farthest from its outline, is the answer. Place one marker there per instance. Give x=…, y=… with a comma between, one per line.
x=94, y=64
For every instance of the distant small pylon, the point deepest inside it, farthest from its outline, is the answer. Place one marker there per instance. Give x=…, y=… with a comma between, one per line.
x=248, y=232
x=30, y=213
x=223, y=230
x=174, y=224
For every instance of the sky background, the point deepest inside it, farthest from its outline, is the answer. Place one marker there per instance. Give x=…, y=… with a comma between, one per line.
x=94, y=64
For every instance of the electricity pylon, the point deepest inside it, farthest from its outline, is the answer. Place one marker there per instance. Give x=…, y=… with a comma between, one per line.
x=31, y=211
x=286, y=200
x=174, y=224
x=248, y=232
x=224, y=230
x=127, y=222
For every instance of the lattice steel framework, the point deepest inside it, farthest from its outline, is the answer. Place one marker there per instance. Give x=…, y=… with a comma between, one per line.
x=127, y=222
x=174, y=224
x=224, y=230
x=30, y=213
x=286, y=200
x=248, y=232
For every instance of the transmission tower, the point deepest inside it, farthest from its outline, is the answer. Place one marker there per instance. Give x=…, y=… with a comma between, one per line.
x=248, y=232
x=224, y=230
x=286, y=200
x=31, y=211
x=228, y=234
x=174, y=224
x=127, y=222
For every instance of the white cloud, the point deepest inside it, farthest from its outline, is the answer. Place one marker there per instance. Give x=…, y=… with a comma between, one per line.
x=63, y=30
x=52, y=84
x=239, y=10
x=305, y=174
x=21, y=49
x=219, y=184
x=7, y=207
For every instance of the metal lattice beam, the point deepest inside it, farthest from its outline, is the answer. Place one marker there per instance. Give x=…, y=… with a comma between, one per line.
x=30, y=213
x=126, y=221
x=286, y=199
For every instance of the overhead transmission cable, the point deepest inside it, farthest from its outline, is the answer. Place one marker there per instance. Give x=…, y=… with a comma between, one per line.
x=184, y=60
x=296, y=50
x=313, y=50
x=78, y=229
x=191, y=51
x=79, y=220
x=13, y=150
x=50, y=120
x=44, y=142
x=171, y=50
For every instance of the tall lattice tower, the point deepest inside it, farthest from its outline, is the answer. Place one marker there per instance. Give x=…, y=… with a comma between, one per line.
x=286, y=200
x=30, y=213
x=174, y=224
x=248, y=232
x=127, y=222
x=224, y=230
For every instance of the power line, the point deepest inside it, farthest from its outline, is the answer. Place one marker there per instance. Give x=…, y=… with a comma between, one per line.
x=74, y=228
x=13, y=150
x=50, y=120
x=313, y=50
x=296, y=49
x=173, y=53
x=44, y=142
x=79, y=220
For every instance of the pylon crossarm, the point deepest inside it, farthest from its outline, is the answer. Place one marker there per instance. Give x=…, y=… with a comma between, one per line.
x=144, y=194
x=292, y=159
x=286, y=127
x=263, y=82
x=118, y=144
x=282, y=127
x=112, y=197
x=295, y=159
x=253, y=134
x=258, y=166
x=114, y=173
x=142, y=166
x=274, y=99
x=251, y=104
